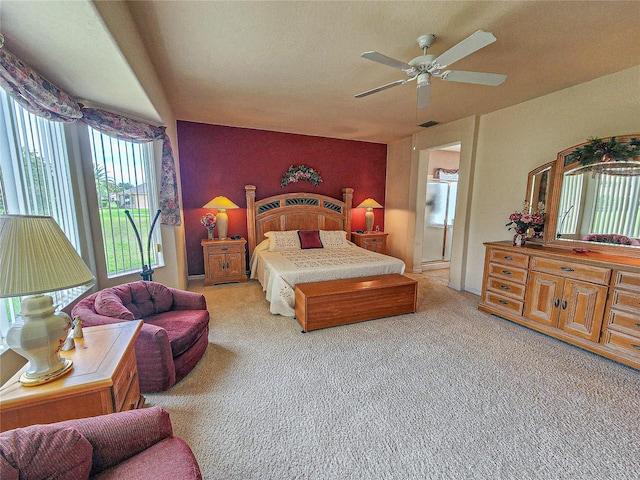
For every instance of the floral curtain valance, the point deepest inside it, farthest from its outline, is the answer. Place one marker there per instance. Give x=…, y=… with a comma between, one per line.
x=40, y=97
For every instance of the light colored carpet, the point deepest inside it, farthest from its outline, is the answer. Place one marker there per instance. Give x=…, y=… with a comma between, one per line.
x=447, y=393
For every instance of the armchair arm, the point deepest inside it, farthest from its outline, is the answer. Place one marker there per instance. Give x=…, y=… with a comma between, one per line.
x=183, y=300
x=90, y=318
x=118, y=436
x=156, y=370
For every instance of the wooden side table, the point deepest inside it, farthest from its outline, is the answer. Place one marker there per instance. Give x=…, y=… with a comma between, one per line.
x=104, y=379
x=374, y=241
x=224, y=261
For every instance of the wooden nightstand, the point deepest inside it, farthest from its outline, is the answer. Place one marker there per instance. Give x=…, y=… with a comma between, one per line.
x=104, y=379
x=224, y=261
x=374, y=241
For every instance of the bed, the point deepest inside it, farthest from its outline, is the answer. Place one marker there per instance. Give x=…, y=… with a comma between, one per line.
x=302, y=237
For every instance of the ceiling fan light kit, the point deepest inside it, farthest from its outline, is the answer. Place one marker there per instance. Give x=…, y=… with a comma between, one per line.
x=425, y=66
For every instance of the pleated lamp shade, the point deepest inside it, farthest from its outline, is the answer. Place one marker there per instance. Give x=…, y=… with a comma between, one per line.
x=37, y=257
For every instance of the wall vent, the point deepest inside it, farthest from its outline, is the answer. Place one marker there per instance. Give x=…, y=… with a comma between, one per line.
x=428, y=124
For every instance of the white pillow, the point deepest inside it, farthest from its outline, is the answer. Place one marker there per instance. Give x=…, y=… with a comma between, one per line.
x=283, y=241
x=334, y=238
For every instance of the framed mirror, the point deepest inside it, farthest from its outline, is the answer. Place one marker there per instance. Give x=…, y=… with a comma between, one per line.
x=596, y=204
x=538, y=194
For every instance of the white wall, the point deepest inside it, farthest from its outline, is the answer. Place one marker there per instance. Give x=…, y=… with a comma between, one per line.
x=498, y=151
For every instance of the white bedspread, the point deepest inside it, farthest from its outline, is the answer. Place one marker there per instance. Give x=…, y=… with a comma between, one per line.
x=279, y=272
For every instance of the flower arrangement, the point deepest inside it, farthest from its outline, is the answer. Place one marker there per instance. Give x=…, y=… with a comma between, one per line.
x=299, y=174
x=525, y=219
x=209, y=222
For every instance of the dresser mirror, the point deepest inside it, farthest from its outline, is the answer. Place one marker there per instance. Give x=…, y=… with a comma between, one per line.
x=538, y=194
x=596, y=204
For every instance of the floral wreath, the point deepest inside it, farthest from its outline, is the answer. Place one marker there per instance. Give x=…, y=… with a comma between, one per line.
x=300, y=173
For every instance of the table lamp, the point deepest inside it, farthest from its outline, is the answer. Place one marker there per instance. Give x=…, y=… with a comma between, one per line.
x=369, y=204
x=36, y=257
x=222, y=221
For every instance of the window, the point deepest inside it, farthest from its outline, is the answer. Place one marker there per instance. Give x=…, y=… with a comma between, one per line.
x=40, y=174
x=125, y=182
x=35, y=179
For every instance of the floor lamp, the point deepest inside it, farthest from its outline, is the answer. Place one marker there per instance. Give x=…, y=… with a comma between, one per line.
x=36, y=257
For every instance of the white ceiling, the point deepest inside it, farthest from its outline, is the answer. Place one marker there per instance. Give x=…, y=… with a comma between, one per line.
x=294, y=66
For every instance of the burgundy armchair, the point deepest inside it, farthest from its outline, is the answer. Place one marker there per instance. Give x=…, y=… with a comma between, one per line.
x=174, y=335
x=133, y=444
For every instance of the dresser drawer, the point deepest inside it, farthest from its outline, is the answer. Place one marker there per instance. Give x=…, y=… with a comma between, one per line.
x=504, y=303
x=506, y=287
x=505, y=272
x=624, y=320
x=628, y=280
x=126, y=374
x=569, y=269
x=626, y=300
x=505, y=257
x=625, y=343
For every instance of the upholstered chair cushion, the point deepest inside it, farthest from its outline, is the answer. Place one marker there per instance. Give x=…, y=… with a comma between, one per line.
x=45, y=452
x=183, y=327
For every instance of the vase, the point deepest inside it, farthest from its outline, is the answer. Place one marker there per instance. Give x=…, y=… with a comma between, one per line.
x=519, y=239
x=210, y=233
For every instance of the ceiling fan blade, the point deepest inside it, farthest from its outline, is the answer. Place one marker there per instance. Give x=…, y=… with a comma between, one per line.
x=383, y=87
x=472, y=43
x=481, y=78
x=390, y=62
x=424, y=94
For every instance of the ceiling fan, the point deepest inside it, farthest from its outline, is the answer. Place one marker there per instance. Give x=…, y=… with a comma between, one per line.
x=425, y=66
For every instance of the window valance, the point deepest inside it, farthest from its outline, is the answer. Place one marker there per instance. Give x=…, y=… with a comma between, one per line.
x=41, y=97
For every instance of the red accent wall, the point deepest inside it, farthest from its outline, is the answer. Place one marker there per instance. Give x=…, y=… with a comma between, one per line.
x=221, y=160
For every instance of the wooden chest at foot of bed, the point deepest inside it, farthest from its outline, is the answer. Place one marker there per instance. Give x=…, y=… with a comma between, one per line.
x=349, y=300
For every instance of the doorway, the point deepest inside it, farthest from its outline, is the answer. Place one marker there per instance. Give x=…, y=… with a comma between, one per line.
x=440, y=206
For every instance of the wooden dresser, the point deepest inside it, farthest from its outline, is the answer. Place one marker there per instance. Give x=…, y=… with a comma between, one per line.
x=591, y=300
x=104, y=379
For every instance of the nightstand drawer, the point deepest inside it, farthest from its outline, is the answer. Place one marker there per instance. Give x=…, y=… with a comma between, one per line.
x=222, y=248
x=124, y=377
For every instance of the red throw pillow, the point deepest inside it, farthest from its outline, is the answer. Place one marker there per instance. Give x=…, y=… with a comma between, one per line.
x=310, y=239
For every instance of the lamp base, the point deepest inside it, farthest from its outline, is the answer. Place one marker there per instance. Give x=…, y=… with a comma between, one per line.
x=368, y=220
x=33, y=380
x=222, y=222
x=38, y=336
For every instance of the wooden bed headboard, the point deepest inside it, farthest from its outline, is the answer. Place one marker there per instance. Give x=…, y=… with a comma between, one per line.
x=295, y=211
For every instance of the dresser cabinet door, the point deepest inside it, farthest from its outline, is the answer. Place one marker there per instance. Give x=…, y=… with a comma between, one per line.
x=582, y=309
x=544, y=294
